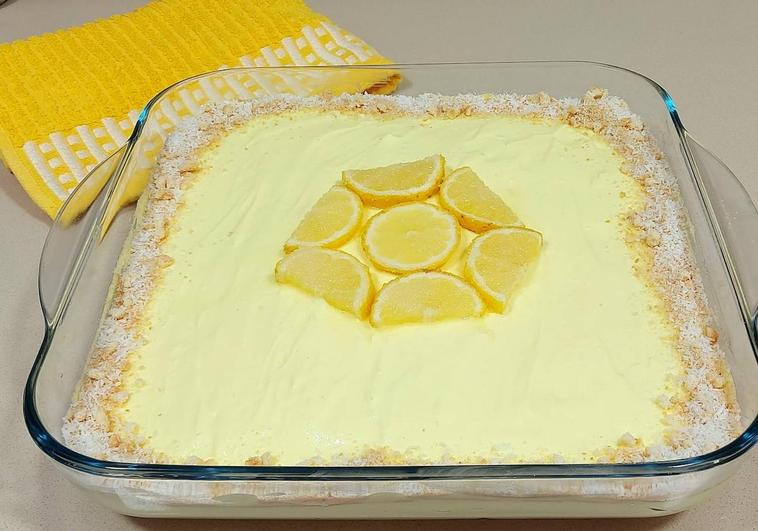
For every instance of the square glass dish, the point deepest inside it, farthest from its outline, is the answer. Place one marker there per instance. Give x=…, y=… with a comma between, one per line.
x=83, y=246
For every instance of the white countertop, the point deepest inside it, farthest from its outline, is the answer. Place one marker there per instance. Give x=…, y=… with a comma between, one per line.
x=703, y=53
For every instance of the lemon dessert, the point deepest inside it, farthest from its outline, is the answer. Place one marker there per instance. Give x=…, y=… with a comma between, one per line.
x=407, y=280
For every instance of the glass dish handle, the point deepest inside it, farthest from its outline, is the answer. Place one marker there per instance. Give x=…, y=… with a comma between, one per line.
x=736, y=222
x=71, y=234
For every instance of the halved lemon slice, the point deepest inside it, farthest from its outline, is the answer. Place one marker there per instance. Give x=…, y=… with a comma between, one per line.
x=411, y=237
x=475, y=206
x=335, y=276
x=331, y=222
x=398, y=183
x=425, y=297
x=497, y=262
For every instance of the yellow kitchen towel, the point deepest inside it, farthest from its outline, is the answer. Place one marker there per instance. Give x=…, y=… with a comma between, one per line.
x=69, y=99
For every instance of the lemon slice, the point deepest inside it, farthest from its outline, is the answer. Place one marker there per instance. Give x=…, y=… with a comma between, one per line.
x=424, y=297
x=411, y=237
x=398, y=183
x=331, y=222
x=476, y=207
x=335, y=276
x=498, y=261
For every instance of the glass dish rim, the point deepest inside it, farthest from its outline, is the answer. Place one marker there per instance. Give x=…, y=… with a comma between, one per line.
x=82, y=463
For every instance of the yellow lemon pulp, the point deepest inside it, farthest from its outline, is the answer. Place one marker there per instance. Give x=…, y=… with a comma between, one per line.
x=475, y=206
x=424, y=297
x=234, y=365
x=498, y=262
x=331, y=222
x=411, y=237
x=335, y=276
x=397, y=183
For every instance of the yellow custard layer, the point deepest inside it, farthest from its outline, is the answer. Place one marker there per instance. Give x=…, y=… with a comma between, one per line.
x=236, y=365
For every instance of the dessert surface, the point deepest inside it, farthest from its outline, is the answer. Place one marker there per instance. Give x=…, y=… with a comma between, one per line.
x=204, y=357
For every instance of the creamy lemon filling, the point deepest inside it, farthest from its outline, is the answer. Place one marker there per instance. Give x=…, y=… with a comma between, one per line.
x=234, y=365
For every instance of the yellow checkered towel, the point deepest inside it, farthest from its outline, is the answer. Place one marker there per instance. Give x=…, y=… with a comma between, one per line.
x=70, y=98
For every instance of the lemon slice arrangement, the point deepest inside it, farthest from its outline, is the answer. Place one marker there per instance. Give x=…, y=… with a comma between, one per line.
x=424, y=216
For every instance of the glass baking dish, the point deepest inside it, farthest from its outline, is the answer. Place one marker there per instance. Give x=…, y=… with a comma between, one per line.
x=83, y=245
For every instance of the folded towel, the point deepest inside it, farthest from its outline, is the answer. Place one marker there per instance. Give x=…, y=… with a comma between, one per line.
x=71, y=98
